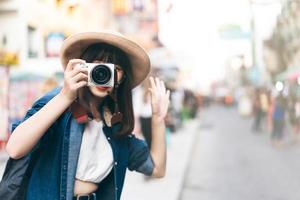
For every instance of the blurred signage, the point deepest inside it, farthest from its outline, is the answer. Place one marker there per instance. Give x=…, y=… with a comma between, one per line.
x=120, y=7
x=162, y=57
x=33, y=42
x=53, y=44
x=136, y=16
x=233, y=31
x=9, y=58
x=254, y=75
x=138, y=5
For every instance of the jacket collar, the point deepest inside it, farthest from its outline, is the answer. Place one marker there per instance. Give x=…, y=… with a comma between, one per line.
x=75, y=139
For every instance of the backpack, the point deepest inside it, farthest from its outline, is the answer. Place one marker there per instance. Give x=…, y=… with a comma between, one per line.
x=13, y=185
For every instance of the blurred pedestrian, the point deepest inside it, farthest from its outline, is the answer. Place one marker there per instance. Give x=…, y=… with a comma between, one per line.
x=176, y=104
x=296, y=127
x=145, y=114
x=49, y=84
x=190, y=106
x=264, y=98
x=257, y=111
x=278, y=118
x=76, y=141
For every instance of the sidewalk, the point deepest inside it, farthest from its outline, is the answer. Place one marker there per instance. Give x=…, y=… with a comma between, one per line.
x=137, y=188
x=3, y=159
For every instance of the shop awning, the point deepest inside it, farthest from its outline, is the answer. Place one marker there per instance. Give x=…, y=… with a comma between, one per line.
x=26, y=76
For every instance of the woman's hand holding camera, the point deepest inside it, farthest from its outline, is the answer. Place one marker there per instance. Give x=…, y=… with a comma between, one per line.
x=75, y=77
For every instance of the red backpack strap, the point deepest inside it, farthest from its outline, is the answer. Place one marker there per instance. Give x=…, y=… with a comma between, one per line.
x=79, y=113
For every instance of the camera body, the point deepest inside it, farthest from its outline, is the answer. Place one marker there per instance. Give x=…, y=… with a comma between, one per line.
x=100, y=74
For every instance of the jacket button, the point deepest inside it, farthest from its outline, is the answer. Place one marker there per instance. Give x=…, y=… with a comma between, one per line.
x=108, y=138
x=116, y=163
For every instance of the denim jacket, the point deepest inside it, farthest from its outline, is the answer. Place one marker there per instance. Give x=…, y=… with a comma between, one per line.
x=53, y=174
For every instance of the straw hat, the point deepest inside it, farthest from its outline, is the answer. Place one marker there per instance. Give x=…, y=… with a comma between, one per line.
x=76, y=44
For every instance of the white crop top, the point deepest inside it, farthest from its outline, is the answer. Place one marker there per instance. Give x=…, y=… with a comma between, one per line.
x=96, y=157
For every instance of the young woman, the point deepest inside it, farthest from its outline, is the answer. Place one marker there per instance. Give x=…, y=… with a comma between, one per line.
x=79, y=136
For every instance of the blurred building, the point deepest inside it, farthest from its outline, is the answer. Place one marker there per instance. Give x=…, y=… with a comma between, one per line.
x=137, y=19
x=35, y=30
x=282, y=50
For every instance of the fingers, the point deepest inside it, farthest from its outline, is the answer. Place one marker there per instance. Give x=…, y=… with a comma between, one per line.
x=160, y=97
x=152, y=93
x=76, y=76
x=72, y=63
x=152, y=83
x=80, y=84
x=163, y=87
x=76, y=71
x=80, y=77
x=157, y=86
x=158, y=91
x=168, y=98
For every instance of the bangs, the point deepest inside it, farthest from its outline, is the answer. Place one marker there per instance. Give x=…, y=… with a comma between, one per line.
x=105, y=53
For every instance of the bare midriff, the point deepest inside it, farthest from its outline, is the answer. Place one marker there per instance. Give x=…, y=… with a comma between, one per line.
x=83, y=187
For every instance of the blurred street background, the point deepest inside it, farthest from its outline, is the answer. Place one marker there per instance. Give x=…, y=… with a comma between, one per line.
x=233, y=68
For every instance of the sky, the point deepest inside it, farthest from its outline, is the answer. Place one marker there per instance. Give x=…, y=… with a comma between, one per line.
x=190, y=31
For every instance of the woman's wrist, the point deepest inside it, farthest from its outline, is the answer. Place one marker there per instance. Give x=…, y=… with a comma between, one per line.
x=158, y=119
x=64, y=98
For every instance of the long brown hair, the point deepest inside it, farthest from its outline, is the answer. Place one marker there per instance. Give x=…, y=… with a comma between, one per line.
x=110, y=54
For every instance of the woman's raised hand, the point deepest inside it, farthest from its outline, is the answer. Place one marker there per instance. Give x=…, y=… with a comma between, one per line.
x=75, y=77
x=160, y=98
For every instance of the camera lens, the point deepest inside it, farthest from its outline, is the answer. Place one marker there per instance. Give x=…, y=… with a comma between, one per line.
x=101, y=74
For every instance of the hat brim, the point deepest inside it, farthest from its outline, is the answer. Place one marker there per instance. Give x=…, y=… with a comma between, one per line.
x=75, y=45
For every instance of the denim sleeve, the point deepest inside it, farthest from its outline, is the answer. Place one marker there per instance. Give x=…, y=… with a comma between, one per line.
x=139, y=156
x=35, y=108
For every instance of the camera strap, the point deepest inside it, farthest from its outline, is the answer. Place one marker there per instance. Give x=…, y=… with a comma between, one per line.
x=117, y=116
x=79, y=113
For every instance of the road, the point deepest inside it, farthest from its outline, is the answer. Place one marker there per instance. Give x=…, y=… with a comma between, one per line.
x=229, y=162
